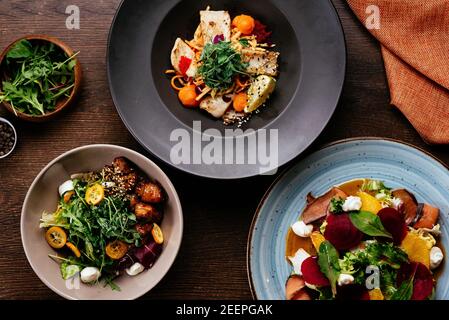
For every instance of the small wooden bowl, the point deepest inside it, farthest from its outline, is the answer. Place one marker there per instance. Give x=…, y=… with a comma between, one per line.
x=63, y=103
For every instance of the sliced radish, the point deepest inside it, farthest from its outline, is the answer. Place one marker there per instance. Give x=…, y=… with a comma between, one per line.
x=341, y=232
x=394, y=223
x=312, y=273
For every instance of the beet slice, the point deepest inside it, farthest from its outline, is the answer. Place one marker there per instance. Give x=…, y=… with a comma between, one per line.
x=148, y=254
x=422, y=282
x=352, y=292
x=341, y=232
x=394, y=223
x=312, y=273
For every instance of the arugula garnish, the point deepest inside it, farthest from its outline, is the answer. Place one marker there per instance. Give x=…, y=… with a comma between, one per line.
x=38, y=76
x=220, y=63
x=244, y=42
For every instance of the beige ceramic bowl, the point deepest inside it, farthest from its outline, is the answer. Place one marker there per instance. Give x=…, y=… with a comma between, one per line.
x=43, y=195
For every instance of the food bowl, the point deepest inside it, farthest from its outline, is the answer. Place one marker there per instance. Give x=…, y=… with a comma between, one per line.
x=43, y=196
x=11, y=149
x=62, y=104
x=311, y=73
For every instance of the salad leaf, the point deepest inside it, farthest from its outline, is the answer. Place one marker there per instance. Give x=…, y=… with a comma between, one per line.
x=328, y=262
x=374, y=185
x=405, y=291
x=369, y=224
x=220, y=63
x=38, y=75
x=69, y=270
x=244, y=42
x=21, y=49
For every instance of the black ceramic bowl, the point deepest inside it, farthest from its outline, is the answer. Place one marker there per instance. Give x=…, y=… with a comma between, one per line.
x=307, y=34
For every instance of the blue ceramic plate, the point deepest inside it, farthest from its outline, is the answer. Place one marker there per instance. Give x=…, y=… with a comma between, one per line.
x=397, y=164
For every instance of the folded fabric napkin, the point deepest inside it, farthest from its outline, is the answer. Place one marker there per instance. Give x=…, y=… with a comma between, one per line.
x=414, y=37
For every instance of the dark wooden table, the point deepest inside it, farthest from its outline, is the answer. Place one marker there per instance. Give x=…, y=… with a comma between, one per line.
x=212, y=260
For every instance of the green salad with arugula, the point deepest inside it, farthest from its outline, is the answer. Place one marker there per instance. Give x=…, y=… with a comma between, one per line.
x=106, y=224
x=38, y=74
x=364, y=241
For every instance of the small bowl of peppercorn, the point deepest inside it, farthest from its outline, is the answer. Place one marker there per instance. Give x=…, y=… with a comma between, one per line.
x=8, y=138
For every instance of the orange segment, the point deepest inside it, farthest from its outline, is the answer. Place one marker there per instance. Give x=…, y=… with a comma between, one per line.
x=317, y=239
x=376, y=294
x=416, y=248
x=369, y=203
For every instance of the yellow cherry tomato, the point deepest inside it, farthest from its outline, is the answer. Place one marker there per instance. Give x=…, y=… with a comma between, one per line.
x=56, y=237
x=158, y=236
x=74, y=249
x=94, y=194
x=116, y=249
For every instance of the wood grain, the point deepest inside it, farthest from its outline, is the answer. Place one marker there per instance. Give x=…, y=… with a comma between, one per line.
x=212, y=260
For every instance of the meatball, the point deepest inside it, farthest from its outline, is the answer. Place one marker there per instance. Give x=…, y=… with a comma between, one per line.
x=144, y=228
x=122, y=165
x=150, y=192
x=147, y=212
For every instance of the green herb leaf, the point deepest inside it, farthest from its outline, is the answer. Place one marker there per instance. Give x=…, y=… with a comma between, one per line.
x=336, y=205
x=328, y=262
x=21, y=49
x=369, y=224
x=220, y=63
x=39, y=74
x=405, y=291
x=244, y=42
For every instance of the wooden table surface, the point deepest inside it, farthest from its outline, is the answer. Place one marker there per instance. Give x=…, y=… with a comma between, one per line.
x=212, y=261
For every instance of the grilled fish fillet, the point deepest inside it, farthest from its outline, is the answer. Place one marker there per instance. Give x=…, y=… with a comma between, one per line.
x=182, y=49
x=261, y=62
x=214, y=23
x=216, y=106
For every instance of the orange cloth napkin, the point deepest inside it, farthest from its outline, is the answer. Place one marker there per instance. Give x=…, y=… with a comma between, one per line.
x=414, y=36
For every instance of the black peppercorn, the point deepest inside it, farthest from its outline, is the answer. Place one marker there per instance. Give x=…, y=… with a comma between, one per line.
x=7, y=138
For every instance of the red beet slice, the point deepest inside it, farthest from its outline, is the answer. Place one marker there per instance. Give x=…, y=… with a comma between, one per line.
x=422, y=282
x=352, y=292
x=148, y=254
x=312, y=274
x=394, y=223
x=341, y=232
